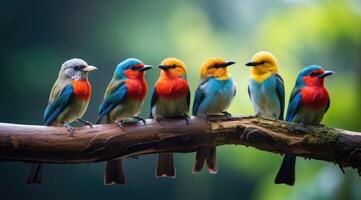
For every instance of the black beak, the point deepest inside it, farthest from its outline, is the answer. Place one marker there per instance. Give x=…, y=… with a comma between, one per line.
x=163, y=67
x=228, y=63
x=145, y=68
x=252, y=64
x=325, y=74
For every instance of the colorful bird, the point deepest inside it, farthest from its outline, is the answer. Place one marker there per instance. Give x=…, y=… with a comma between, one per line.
x=171, y=97
x=308, y=103
x=68, y=102
x=123, y=99
x=213, y=96
x=266, y=87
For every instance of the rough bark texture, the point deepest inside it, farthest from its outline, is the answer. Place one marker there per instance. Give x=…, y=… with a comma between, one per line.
x=103, y=142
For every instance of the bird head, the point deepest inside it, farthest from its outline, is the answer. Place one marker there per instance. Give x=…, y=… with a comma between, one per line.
x=131, y=68
x=75, y=69
x=313, y=75
x=172, y=67
x=215, y=67
x=264, y=64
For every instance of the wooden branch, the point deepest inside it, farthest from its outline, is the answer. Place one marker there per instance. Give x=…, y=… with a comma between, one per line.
x=104, y=142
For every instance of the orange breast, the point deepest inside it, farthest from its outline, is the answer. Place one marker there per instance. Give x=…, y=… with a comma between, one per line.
x=137, y=89
x=82, y=89
x=172, y=88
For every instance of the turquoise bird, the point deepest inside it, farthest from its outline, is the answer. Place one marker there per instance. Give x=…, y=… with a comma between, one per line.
x=213, y=96
x=266, y=87
x=171, y=98
x=123, y=99
x=68, y=102
x=308, y=103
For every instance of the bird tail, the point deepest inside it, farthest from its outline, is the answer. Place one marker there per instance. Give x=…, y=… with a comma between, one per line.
x=286, y=174
x=207, y=155
x=35, y=174
x=114, y=173
x=165, y=166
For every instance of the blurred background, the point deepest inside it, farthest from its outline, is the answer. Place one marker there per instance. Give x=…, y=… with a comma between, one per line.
x=36, y=37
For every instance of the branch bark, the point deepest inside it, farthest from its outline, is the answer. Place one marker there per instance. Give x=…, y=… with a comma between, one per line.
x=103, y=142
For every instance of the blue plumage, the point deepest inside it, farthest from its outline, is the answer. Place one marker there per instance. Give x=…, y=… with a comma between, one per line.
x=295, y=102
x=268, y=96
x=124, y=65
x=54, y=109
x=113, y=100
x=213, y=96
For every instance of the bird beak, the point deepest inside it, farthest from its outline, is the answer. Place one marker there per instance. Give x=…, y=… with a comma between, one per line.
x=252, y=64
x=163, y=67
x=325, y=74
x=89, y=69
x=228, y=63
x=145, y=68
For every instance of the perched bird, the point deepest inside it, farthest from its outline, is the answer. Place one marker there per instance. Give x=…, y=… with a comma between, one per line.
x=266, y=87
x=213, y=96
x=308, y=103
x=123, y=99
x=171, y=97
x=68, y=102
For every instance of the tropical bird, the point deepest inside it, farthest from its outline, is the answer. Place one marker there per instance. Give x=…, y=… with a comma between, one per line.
x=265, y=86
x=308, y=103
x=68, y=102
x=123, y=99
x=213, y=96
x=171, y=98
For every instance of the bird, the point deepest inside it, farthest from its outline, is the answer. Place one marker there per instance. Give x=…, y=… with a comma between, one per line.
x=170, y=98
x=265, y=86
x=308, y=103
x=123, y=99
x=68, y=102
x=214, y=95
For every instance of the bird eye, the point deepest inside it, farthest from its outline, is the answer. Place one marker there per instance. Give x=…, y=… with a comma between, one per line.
x=262, y=62
x=133, y=67
x=78, y=67
x=314, y=73
x=174, y=66
x=216, y=66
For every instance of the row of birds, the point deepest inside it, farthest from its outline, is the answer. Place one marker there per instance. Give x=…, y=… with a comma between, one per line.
x=126, y=92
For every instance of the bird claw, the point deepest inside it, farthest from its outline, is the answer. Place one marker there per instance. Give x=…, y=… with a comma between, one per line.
x=227, y=114
x=87, y=123
x=141, y=119
x=120, y=124
x=187, y=118
x=70, y=129
x=205, y=117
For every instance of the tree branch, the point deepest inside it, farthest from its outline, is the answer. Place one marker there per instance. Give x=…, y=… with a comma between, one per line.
x=104, y=142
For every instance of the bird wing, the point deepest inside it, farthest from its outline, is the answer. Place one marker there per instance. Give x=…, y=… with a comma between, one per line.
x=235, y=91
x=116, y=93
x=58, y=103
x=328, y=105
x=153, y=102
x=113, y=85
x=295, y=103
x=280, y=91
x=199, y=97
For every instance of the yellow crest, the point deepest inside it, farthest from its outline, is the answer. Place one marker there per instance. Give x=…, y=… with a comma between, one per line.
x=175, y=66
x=215, y=67
x=263, y=65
